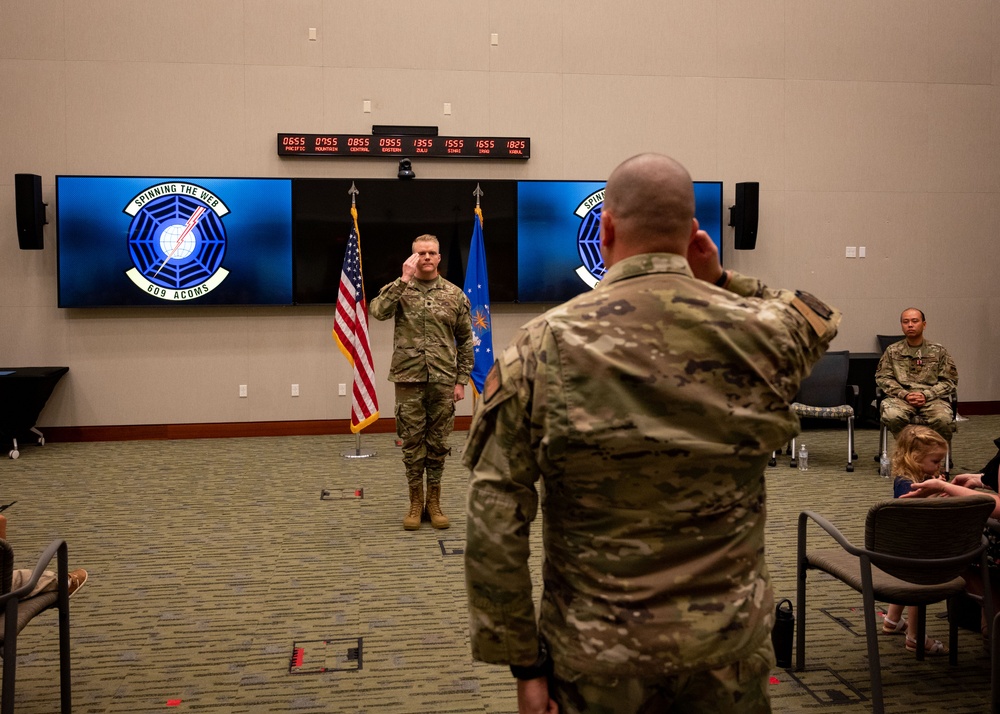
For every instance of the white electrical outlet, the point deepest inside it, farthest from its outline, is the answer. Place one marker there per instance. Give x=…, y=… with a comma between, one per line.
x=243, y=390
x=861, y=251
x=342, y=390
x=852, y=251
x=295, y=390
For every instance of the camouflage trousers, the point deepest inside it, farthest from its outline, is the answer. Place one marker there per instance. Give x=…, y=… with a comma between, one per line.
x=739, y=688
x=897, y=413
x=425, y=417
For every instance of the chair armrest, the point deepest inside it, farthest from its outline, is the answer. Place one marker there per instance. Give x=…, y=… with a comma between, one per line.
x=56, y=549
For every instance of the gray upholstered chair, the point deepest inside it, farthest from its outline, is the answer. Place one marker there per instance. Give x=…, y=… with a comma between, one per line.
x=899, y=564
x=19, y=610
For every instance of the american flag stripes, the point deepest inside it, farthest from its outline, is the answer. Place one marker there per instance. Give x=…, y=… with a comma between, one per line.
x=350, y=330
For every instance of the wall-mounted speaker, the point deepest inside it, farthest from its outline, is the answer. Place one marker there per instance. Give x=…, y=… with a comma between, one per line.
x=30, y=211
x=743, y=215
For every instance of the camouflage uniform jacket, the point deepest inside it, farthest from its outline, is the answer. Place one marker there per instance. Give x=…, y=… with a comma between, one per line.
x=928, y=369
x=432, y=337
x=648, y=407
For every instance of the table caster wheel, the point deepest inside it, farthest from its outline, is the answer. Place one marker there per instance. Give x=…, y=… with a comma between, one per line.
x=14, y=453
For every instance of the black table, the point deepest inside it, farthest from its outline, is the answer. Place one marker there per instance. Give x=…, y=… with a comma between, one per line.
x=861, y=371
x=23, y=393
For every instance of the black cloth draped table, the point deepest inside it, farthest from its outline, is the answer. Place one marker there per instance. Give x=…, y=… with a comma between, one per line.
x=23, y=393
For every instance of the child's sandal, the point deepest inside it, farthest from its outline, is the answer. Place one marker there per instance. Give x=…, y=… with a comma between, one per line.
x=893, y=628
x=936, y=647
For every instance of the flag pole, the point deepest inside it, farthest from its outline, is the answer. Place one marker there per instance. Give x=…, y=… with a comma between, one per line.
x=358, y=452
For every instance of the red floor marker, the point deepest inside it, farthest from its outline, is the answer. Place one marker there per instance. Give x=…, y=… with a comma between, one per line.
x=775, y=680
x=173, y=702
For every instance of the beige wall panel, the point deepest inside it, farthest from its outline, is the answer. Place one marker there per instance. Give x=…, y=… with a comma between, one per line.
x=962, y=146
x=674, y=38
x=37, y=337
x=529, y=36
x=889, y=40
x=751, y=131
x=180, y=31
x=856, y=136
x=277, y=33
x=871, y=40
x=157, y=366
x=192, y=124
x=295, y=346
x=954, y=243
x=751, y=38
x=525, y=104
x=32, y=118
x=433, y=34
x=32, y=29
x=958, y=45
x=629, y=115
x=282, y=100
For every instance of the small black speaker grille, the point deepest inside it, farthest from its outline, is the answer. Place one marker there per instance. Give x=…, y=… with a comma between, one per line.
x=745, y=215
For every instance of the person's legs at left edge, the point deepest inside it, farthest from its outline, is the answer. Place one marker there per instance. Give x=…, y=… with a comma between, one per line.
x=440, y=404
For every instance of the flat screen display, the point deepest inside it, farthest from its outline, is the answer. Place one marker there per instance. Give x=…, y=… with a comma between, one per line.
x=558, y=235
x=173, y=241
x=391, y=213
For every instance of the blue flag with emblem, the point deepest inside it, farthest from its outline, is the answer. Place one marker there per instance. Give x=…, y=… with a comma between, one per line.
x=477, y=290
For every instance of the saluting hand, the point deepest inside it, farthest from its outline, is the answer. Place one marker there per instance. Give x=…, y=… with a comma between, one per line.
x=409, y=268
x=703, y=257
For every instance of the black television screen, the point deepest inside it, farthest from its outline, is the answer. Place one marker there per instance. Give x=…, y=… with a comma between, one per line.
x=391, y=213
x=558, y=224
x=173, y=241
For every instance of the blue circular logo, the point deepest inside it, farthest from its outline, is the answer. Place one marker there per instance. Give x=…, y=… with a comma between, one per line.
x=176, y=241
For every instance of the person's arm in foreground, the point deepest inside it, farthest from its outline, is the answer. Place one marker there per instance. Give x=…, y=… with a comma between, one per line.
x=936, y=487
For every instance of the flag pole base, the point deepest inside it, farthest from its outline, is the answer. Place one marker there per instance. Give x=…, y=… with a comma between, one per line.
x=358, y=452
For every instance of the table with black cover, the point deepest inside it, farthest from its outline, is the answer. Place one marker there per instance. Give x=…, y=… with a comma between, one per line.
x=23, y=393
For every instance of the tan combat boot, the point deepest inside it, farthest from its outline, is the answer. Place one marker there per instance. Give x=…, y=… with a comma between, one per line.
x=412, y=520
x=438, y=519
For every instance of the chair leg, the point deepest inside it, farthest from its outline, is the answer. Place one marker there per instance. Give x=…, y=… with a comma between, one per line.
x=883, y=441
x=921, y=631
x=9, y=657
x=874, y=664
x=995, y=665
x=850, y=445
x=794, y=461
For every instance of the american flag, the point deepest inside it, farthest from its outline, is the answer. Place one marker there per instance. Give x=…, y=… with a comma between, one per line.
x=350, y=330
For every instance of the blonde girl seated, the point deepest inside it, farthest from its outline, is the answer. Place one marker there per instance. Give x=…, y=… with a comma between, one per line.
x=916, y=460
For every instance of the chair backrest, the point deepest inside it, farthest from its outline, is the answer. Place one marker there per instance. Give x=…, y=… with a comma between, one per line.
x=826, y=385
x=928, y=528
x=886, y=340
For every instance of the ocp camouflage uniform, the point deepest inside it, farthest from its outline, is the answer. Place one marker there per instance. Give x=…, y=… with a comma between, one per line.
x=927, y=369
x=649, y=408
x=432, y=352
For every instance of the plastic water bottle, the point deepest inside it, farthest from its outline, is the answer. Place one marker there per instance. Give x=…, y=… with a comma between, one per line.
x=883, y=465
x=803, y=458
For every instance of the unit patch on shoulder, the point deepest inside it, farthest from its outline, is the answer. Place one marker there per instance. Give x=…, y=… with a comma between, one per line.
x=492, y=383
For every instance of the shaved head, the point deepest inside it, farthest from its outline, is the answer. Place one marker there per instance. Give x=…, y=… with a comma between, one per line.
x=651, y=198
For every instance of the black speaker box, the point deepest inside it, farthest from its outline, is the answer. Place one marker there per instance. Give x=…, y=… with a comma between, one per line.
x=30, y=210
x=744, y=215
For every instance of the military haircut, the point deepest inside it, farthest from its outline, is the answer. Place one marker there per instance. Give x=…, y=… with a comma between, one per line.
x=655, y=193
x=914, y=309
x=426, y=238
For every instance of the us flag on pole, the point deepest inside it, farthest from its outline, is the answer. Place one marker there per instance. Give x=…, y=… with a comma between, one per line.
x=350, y=330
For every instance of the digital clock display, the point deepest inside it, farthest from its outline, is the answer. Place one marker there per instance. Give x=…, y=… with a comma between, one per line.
x=381, y=146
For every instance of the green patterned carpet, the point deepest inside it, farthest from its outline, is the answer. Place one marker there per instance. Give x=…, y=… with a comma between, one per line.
x=273, y=575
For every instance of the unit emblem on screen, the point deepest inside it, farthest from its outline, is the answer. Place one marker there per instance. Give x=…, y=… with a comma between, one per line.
x=176, y=241
x=588, y=239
